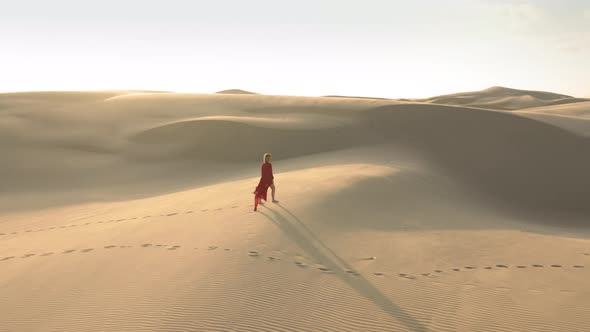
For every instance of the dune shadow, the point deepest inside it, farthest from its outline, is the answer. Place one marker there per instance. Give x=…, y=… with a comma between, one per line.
x=533, y=169
x=299, y=233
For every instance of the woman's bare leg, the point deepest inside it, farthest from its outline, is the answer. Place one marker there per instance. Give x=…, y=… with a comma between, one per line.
x=272, y=192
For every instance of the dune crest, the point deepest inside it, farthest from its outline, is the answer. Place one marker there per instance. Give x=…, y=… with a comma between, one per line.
x=501, y=98
x=235, y=92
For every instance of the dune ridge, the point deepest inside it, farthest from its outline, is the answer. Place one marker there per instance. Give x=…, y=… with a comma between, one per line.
x=235, y=91
x=501, y=98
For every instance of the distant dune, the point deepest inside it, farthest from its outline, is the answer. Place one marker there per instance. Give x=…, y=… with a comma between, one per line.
x=578, y=109
x=334, y=96
x=500, y=98
x=133, y=211
x=235, y=92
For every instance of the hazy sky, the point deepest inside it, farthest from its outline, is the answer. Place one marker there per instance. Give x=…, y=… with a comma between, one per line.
x=384, y=48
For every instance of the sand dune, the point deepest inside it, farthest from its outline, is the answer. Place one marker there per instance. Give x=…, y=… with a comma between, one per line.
x=132, y=211
x=501, y=98
x=580, y=109
x=235, y=91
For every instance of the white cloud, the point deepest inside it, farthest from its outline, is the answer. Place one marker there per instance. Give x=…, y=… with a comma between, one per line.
x=520, y=13
x=575, y=42
x=587, y=14
x=514, y=13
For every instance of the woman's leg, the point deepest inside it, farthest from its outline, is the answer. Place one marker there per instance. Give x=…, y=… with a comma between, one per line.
x=272, y=192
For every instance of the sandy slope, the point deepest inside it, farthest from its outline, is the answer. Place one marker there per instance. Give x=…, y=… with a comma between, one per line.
x=131, y=211
x=580, y=109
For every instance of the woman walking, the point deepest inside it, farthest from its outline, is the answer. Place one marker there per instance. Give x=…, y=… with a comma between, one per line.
x=266, y=180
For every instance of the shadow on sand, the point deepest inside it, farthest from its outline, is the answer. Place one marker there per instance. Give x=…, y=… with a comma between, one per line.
x=296, y=230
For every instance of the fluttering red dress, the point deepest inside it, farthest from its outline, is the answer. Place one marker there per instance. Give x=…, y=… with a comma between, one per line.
x=266, y=180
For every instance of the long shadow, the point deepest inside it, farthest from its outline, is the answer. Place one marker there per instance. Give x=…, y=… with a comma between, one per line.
x=315, y=238
x=312, y=245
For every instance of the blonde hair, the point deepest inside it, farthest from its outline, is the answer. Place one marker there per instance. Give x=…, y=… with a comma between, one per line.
x=266, y=155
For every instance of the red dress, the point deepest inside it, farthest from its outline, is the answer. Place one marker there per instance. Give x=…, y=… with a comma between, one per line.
x=266, y=180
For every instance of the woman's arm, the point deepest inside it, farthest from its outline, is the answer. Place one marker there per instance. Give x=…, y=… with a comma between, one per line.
x=272, y=177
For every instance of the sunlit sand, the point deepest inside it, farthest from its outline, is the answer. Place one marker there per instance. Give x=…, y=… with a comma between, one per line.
x=132, y=211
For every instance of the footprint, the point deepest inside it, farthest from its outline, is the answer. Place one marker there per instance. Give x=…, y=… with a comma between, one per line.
x=110, y=246
x=88, y=223
x=379, y=273
x=121, y=220
x=212, y=248
x=205, y=210
x=406, y=276
x=521, y=266
x=218, y=209
x=235, y=206
x=325, y=269
x=87, y=250
x=271, y=258
x=253, y=253
x=187, y=212
x=501, y=265
x=28, y=255
x=300, y=264
x=7, y=258
x=145, y=245
x=133, y=218
x=537, y=265
x=457, y=270
x=28, y=231
x=1, y=233
x=171, y=214
x=369, y=258
x=488, y=267
x=352, y=272
x=555, y=265
x=578, y=266
x=68, y=251
x=470, y=267
x=227, y=249
x=427, y=274
x=46, y=254
x=438, y=271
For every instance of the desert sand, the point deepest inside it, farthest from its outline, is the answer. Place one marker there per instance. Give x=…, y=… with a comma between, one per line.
x=132, y=211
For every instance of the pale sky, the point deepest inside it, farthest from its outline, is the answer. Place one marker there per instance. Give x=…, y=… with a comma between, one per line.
x=381, y=48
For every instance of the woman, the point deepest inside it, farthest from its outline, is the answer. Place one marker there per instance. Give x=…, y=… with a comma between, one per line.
x=266, y=180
